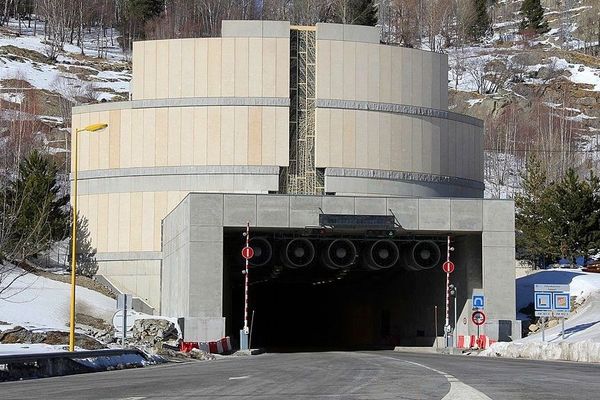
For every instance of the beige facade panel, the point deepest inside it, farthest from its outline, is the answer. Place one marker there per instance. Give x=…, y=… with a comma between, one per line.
x=141, y=277
x=211, y=67
x=372, y=72
x=397, y=142
x=188, y=72
x=176, y=136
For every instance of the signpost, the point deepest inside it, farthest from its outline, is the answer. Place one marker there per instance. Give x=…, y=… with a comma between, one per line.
x=124, y=306
x=478, y=318
x=552, y=301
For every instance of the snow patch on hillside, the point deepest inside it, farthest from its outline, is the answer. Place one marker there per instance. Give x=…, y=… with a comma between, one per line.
x=53, y=77
x=35, y=302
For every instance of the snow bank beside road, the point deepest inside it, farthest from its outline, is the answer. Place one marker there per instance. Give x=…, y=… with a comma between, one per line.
x=586, y=351
x=582, y=328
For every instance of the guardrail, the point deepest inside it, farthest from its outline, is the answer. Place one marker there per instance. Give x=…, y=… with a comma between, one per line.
x=43, y=365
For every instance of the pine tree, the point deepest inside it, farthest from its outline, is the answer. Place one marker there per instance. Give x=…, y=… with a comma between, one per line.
x=145, y=9
x=356, y=12
x=481, y=22
x=574, y=212
x=533, y=231
x=34, y=208
x=364, y=13
x=86, y=253
x=533, y=17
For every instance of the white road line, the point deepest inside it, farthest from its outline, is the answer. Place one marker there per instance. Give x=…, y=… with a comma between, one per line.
x=233, y=378
x=458, y=389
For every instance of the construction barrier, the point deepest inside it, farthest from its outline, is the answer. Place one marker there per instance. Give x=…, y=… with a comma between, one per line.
x=214, y=347
x=473, y=342
x=186, y=347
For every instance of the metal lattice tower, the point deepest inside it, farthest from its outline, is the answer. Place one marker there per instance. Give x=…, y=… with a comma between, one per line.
x=302, y=177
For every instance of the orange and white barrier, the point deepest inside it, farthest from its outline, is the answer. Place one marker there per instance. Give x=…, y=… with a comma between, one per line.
x=214, y=347
x=473, y=342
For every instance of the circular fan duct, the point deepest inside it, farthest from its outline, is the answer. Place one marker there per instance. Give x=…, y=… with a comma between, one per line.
x=382, y=254
x=339, y=254
x=263, y=251
x=422, y=255
x=298, y=253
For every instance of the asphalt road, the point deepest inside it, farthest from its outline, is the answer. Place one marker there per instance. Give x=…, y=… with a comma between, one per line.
x=328, y=375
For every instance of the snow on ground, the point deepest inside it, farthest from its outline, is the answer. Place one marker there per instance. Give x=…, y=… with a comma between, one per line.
x=579, y=73
x=583, y=284
x=22, y=348
x=582, y=329
x=35, y=302
x=48, y=76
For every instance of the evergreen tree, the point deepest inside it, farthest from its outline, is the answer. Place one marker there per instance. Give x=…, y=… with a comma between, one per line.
x=533, y=234
x=33, y=208
x=355, y=12
x=482, y=24
x=364, y=13
x=86, y=253
x=145, y=9
x=574, y=215
x=533, y=17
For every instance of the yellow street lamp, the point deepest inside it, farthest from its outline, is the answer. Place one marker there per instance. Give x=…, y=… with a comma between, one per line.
x=89, y=128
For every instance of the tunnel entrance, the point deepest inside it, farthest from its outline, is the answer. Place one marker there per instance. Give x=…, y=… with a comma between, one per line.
x=339, y=291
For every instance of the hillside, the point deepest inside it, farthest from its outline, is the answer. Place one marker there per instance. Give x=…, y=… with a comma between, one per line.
x=37, y=93
x=537, y=95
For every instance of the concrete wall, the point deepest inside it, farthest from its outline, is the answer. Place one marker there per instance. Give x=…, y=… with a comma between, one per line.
x=486, y=264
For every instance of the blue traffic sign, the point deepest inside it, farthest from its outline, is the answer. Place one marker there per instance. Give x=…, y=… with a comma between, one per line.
x=478, y=301
x=543, y=301
x=562, y=301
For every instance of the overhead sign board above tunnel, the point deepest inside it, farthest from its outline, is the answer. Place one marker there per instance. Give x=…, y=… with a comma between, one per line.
x=350, y=221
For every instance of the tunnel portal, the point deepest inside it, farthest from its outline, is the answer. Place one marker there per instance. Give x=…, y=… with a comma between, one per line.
x=336, y=289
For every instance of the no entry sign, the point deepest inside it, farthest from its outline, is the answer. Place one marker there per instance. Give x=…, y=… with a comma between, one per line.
x=478, y=318
x=448, y=267
x=247, y=252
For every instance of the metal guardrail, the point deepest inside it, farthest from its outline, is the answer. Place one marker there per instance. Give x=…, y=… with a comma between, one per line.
x=76, y=355
x=45, y=365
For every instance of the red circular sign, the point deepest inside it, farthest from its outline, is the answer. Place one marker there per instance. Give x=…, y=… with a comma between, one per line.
x=247, y=252
x=478, y=318
x=448, y=267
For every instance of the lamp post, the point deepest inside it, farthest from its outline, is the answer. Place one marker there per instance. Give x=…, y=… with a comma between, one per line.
x=89, y=128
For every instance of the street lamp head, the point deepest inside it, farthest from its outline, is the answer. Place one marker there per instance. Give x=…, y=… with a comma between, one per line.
x=94, y=127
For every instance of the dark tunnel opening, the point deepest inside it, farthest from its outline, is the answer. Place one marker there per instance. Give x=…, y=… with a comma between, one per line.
x=337, y=292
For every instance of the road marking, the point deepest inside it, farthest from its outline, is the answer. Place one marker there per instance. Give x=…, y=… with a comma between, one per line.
x=458, y=389
x=233, y=378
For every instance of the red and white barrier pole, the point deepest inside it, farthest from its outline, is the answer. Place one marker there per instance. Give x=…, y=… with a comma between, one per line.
x=246, y=330
x=447, y=325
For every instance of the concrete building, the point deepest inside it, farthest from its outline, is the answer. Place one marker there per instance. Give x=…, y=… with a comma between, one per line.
x=276, y=125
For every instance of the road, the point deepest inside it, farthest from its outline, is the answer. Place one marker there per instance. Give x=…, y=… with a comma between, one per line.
x=328, y=375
